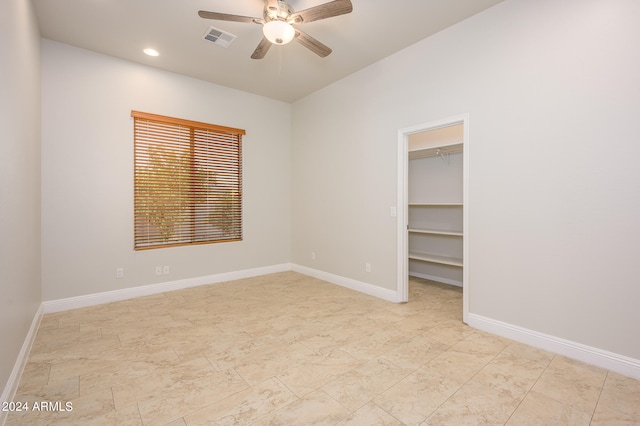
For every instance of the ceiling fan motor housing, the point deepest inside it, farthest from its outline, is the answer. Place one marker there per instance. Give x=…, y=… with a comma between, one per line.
x=281, y=13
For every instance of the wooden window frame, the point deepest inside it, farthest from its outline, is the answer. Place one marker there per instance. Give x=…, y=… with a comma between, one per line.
x=187, y=182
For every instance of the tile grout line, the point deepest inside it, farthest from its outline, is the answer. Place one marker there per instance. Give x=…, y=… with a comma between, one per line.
x=595, y=408
x=532, y=386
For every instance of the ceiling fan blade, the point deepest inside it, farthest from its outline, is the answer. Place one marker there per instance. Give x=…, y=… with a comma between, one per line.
x=323, y=11
x=226, y=17
x=312, y=44
x=262, y=49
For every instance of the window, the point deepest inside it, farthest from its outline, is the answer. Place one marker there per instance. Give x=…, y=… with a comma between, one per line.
x=187, y=184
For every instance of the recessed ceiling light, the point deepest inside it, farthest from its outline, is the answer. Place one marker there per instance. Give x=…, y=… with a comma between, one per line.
x=151, y=52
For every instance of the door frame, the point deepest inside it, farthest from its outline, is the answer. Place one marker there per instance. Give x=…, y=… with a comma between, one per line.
x=403, y=201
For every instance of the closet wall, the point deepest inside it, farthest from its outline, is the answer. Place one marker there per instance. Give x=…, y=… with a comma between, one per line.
x=435, y=231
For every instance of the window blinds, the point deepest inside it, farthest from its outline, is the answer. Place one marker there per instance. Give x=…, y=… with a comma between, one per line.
x=188, y=182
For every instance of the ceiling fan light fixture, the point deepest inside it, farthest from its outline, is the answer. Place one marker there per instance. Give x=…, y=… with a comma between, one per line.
x=278, y=32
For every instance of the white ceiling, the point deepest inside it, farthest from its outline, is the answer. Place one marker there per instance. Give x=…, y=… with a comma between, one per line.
x=123, y=28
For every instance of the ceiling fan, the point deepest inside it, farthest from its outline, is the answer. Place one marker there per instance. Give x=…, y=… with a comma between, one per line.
x=280, y=20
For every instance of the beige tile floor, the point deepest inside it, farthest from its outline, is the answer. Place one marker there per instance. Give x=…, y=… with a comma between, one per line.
x=287, y=349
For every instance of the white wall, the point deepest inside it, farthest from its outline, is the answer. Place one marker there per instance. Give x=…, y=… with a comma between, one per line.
x=19, y=178
x=87, y=173
x=552, y=92
x=436, y=180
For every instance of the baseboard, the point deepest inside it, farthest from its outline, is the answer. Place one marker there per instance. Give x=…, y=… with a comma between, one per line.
x=10, y=389
x=436, y=279
x=84, y=301
x=621, y=364
x=362, y=287
x=60, y=305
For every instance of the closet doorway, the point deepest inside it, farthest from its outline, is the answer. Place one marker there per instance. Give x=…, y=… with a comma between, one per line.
x=433, y=205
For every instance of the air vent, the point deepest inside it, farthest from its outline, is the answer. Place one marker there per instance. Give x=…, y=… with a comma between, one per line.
x=219, y=37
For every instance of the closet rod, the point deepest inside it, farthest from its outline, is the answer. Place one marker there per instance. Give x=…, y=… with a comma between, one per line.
x=434, y=152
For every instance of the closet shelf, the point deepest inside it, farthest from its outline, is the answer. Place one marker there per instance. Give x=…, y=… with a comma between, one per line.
x=435, y=232
x=434, y=258
x=435, y=204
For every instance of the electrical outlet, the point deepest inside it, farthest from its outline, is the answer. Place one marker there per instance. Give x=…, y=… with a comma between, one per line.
x=165, y=270
x=313, y=255
x=367, y=267
x=119, y=273
x=158, y=270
